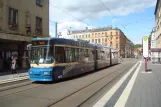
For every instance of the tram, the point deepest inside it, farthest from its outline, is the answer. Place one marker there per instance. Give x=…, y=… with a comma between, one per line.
x=56, y=58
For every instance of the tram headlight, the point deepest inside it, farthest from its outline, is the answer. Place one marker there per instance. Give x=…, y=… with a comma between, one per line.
x=46, y=73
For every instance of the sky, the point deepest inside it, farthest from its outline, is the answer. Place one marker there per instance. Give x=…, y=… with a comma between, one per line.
x=134, y=17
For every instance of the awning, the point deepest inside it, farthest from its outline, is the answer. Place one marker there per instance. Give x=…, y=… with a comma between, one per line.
x=155, y=49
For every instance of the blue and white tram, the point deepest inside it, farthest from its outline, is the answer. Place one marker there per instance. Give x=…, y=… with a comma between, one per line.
x=56, y=58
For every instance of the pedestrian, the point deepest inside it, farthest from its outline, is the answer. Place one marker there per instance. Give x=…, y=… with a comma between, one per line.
x=13, y=66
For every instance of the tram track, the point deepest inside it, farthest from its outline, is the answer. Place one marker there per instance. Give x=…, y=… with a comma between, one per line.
x=94, y=82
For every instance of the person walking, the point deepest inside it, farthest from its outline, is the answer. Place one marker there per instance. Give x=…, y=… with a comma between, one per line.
x=14, y=66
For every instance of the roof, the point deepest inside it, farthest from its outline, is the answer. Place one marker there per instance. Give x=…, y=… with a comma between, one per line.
x=156, y=6
x=76, y=42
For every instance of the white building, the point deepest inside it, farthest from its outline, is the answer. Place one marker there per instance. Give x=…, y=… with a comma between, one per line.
x=153, y=39
x=64, y=34
x=155, y=54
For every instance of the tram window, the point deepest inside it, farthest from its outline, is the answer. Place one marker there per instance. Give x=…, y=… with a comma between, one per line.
x=70, y=55
x=59, y=54
x=98, y=55
x=86, y=53
x=103, y=55
x=76, y=54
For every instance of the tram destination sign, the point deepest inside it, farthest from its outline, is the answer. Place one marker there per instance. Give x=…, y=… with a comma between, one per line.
x=40, y=42
x=145, y=46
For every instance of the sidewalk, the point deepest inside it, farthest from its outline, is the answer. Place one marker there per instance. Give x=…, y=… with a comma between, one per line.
x=136, y=88
x=5, y=75
x=146, y=91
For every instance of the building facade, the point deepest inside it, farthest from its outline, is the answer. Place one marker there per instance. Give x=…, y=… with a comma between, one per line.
x=107, y=36
x=20, y=20
x=158, y=23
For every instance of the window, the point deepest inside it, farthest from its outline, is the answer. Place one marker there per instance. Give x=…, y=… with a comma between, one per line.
x=82, y=36
x=116, y=33
x=111, y=33
x=92, y=40
x=105, y=33
x=88, y=35
x=116, y=46
x=98, y=34
x=102, y=34
x=79, y=36
x=111, y=37
x=13, y=16
x=59, y=54
x=116, y=38
x=92, y=35
x=102, y=40
x=106, y=40
x=110, y=44
x=95, y=40
x=99, y=40
x=69, y=54
x=38, y=2
x=38, y=23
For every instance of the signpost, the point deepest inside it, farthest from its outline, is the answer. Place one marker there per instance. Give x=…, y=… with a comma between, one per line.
x=145, y=50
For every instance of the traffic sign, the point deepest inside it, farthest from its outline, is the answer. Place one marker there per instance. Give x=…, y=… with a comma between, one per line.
x=145, y=47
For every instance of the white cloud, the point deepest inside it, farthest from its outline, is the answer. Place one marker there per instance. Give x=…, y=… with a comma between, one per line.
x=93, y=9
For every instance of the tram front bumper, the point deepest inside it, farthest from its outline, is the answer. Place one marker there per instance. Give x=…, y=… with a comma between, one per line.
x=40, y=74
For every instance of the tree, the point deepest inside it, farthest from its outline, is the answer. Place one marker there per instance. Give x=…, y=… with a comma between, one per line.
x=137, y=46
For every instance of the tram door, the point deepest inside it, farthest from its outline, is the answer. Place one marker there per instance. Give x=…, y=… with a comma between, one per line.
x=95, y=57
x=110, y=57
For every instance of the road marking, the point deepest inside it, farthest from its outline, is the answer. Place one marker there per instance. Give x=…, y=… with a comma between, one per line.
x=143, y=72
x=109, y=94
x=14, y=79
x=124, y=96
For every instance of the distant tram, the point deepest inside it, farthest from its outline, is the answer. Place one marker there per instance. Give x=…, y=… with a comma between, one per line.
x=56, y=58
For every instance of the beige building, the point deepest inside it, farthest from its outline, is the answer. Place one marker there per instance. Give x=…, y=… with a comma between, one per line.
x=107, y=36
x=20, y=20
x=158, y=23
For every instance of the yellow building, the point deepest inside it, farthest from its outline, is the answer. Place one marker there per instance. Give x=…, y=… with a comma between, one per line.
x=20, y=20
x=107, y=36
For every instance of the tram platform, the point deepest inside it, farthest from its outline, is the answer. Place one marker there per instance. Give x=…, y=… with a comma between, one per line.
x=8, y=75
x=138, y=89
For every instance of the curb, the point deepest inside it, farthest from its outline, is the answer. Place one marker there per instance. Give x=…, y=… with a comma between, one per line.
x=13, y=80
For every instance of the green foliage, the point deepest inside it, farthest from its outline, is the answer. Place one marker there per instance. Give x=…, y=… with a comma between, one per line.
x=138, y=46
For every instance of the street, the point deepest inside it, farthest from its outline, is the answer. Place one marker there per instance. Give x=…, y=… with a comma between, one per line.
x=80, y=91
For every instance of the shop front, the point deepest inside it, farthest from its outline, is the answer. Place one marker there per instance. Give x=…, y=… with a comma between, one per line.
x=10, y=48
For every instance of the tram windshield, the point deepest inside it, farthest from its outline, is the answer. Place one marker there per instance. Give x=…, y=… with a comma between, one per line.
x=41, y=55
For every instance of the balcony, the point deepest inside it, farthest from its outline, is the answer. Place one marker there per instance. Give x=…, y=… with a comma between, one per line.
x=38, y=31
x=13, y=27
